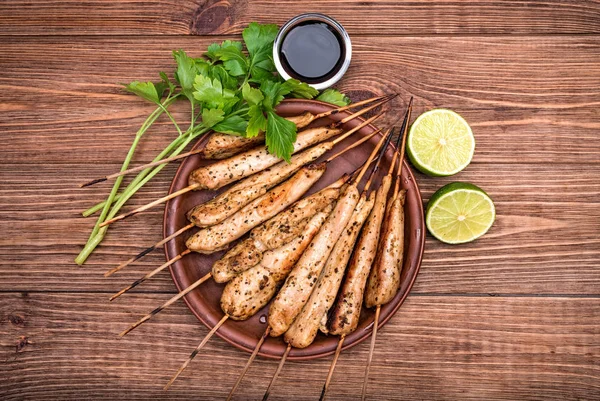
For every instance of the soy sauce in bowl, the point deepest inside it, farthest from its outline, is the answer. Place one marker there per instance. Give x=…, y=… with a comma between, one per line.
x=312, y=48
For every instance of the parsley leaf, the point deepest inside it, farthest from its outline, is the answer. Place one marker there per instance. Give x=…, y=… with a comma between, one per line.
x=235, y=125
x=207, y=90
x=258, y=37
x=213, y=50
x=252, y=95
x=211, y=93
x=210, y=117
x=334, y=97
x=234, y=61
x=202, y=66
x=280, y=136
x=274, y=93
x=218, y=72
x=299, y=89
x=167, y=82
x=185, y=73
x=259, y=42
x=257, y=123
x=147, y=90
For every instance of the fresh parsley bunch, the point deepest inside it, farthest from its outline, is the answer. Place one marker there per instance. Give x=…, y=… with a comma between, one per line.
x=236, y=92
x=230, y=90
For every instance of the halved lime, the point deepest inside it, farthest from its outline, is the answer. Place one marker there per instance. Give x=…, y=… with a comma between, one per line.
x=459, y=212
x=440, y=143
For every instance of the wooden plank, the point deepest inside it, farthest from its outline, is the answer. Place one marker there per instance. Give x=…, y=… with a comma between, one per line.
x=197, y=17
x=433, y=348
x=545, y=239
x=538, y=105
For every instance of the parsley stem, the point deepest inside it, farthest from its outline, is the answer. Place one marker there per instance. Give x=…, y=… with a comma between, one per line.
x=142, y=174
x=239, y=111
x=147, y=123
x=172, y=119
x=192, y=118
x=183, y=141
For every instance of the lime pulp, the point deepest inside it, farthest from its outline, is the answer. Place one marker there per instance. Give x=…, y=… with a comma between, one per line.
x=459, y=212
x=440, y=143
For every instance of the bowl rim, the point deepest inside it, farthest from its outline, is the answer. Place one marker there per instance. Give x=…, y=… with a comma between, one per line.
x=285, y=28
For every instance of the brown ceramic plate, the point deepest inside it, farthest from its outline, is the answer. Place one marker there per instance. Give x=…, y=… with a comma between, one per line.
x=204, y=301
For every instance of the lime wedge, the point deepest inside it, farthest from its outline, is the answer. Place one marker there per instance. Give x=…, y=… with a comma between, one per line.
x=459, y=212
x=440, y=143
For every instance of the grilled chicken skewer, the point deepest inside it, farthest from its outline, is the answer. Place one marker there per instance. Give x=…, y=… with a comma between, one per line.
x=252, y=289
x=221, y=146
x=384, y=278
x=244, y=192
x=314, y=314
x=303, y=330
x=273, y=234
x=249, y=292
x=216, y=237
x=226, y=204
x=258, y=211
x=299, y=284
x=346, y=312
x=224, y=172
x=217, y=145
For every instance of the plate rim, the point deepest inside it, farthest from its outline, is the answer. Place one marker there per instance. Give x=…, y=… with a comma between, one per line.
x=347, y=345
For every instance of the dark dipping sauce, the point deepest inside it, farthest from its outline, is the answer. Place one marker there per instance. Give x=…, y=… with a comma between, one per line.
x=312, y=52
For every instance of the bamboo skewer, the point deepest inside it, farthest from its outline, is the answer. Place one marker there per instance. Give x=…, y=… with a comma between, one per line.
x=142, y=167
x=355, y=144
x=332, y=367
x=152, y=273
x=197, y=185
x=148, y=250
x=362, y=111
x=371, y=157
x=372, y=347
x=276, y=374
x=353, y=105
x=195, y=352
x=378, y=161
x=381, y=99
x=250, y=360
x=357, y=128
x=404, y=134
x=400, y=155
x=169, y=302
x=151, y=204
x=401, y=140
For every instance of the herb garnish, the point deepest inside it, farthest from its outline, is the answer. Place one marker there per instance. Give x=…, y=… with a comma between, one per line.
x=229, y=91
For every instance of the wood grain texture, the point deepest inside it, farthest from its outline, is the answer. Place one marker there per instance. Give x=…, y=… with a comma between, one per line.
x=545, y=215
x=541, y=105
x=461, y=347
x=513, y=315
x=209, y=17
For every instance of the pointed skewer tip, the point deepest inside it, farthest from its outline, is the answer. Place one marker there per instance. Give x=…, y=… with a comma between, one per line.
x=92, y=182
x=389, y=133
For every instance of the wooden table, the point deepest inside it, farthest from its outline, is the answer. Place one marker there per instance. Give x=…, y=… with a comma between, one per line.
x=514, y=315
